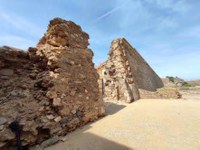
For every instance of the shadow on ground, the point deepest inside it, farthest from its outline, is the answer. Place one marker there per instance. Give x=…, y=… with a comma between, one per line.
x=87, y=141
x=81, y=139
x=112, y=108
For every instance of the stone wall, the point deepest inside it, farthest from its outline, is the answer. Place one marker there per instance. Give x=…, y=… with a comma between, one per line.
x=51, y=89
x=143, y=75
x=125, y=72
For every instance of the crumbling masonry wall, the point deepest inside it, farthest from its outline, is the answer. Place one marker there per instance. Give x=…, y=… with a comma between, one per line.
x=125, y=72
x=51, y=89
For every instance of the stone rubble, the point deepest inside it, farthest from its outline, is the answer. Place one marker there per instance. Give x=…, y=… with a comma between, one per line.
x=161, y=93
x=44, y=87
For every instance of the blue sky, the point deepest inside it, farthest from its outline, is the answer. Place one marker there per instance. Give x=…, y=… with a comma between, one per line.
x=165, y=32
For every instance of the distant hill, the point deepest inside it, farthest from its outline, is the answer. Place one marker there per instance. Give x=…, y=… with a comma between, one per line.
x=174, y=81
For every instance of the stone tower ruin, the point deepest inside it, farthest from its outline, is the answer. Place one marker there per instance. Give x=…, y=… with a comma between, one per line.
x=125, y=72
x=50, y=89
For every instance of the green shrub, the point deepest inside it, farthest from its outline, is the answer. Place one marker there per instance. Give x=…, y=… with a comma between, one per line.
x=171, y=79
x=185, y=84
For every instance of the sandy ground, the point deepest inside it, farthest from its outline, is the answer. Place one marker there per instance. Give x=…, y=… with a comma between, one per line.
x=142, y=125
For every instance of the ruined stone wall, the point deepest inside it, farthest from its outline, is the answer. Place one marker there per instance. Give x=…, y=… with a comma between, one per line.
x=116, y=76
x=51, y=89
x=142, y=73
x=125, y=72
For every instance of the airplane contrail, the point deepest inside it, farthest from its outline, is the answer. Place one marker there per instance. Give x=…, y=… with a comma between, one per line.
x=109, y=12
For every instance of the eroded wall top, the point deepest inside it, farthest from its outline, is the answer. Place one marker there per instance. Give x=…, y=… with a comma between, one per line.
x=64, y=33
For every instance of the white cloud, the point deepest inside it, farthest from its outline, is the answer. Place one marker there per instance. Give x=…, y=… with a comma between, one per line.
x=116, y=8
x=21, y=24
x=167, y=23
x=192, y=32
x=107, y=14
x=16, y=41
x=138, y=14
x=133, y=14
x=179, y=6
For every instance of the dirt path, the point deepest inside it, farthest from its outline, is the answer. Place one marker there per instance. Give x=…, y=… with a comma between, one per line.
x=142, y=125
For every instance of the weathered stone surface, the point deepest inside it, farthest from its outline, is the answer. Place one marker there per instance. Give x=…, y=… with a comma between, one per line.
x=57, y=119
x=6, y=72
x=50, y=141
x=6, y=134
x=1, y=127
x=44, y=88
x=73, y=123
x=57, y=102
x=125, y=72
x=2, y=144
x=70, y=35
x=2, y=120
x=50, y=117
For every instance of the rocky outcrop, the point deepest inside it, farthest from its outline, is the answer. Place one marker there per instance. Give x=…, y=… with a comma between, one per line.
x=126, y=75
x=51, y=89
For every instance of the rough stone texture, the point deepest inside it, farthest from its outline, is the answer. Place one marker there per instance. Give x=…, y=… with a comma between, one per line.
x=51, y=89
x=125, y=72
x=50, y=141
